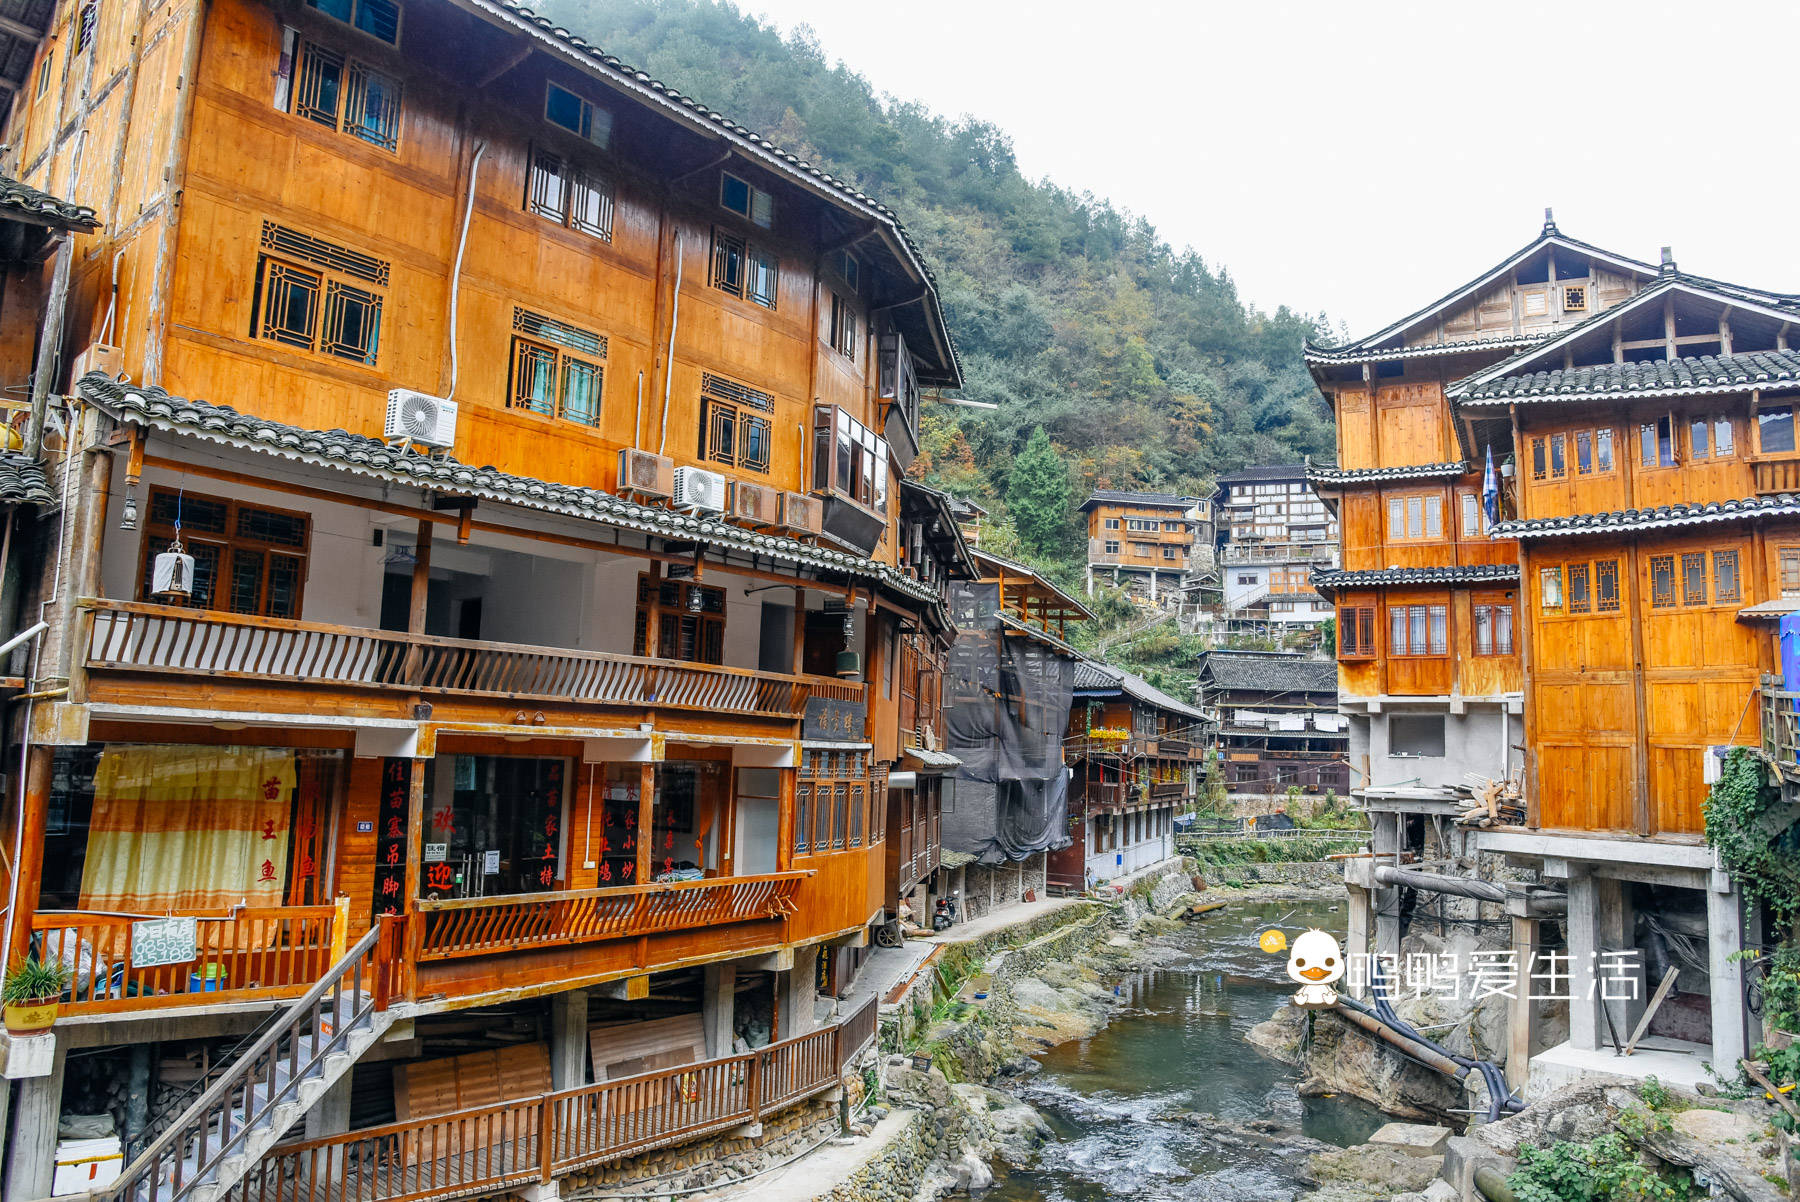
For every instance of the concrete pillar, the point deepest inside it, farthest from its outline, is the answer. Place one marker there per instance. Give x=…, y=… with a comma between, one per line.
x=31, y=1151
x=799, y=993
x=330, y=1115
x=1090, y=580
x=1724, y=939
x=569, y=1039
x=1586, y=1027
x=1622, y=977
x=718, y=1007
x=1356, y=939
x=1521, y=1014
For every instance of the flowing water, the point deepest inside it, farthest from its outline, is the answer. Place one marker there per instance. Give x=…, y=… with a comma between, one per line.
x=1178, y=1045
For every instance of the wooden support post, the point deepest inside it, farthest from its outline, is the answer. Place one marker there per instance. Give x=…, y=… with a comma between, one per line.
x=415, y=832
x=421, y=579
x=1521, y=1026
x=30, y=868
x=49, y=349
x=646, y=814
x=569, y=1039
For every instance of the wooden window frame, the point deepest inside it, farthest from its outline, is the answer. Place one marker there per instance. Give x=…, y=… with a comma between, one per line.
x=593, y=122
x=1661, y=599
x=1110, y=523
x=1112, y=547
x=1606, y=599
x=562, y=363
x=1356, y=632
x=717, y=415
x=756, y=201
x=1429, y=621
x=1692, y=580
x=349, y=110
x=1711, y=423
x=1793, y=440
x=1659, y=454
x=1550, y=589
x=1735, y=594
x=1420, y=511
x=567, y=194
x=1786, y=557
x=863, y=480
x=1578, y=595
x=339, y=276
x=1493, y=607
x=357, y=9
x=226, y=546
x=705, y=631
x=843, y=326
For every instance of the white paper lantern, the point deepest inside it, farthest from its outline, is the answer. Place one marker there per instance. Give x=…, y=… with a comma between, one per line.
x=173, y=575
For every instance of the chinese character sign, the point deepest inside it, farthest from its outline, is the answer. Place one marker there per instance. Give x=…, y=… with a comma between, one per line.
x=390, y=847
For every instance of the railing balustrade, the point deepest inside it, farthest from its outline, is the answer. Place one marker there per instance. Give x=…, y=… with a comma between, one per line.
x=482, y=926
x=140, y=637
x=495, y=1148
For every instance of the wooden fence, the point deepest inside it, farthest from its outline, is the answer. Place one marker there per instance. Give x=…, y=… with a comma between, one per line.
x=505, y=1146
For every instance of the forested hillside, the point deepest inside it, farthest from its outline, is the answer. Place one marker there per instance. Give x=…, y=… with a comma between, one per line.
x=1139, y=361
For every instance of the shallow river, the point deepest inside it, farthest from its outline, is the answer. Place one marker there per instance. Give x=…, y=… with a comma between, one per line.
x=1179, y=1046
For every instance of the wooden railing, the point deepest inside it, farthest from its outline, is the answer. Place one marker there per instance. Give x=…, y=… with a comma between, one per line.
x=538, y=1139
x=316, y=1026
x=1168, y=788
x=1781, y=726
x=244, y=955
x=133, y=636
x=483, y=926
x=1775, y=475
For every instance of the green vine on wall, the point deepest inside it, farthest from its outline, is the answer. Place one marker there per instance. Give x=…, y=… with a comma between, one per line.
x=1740, y=810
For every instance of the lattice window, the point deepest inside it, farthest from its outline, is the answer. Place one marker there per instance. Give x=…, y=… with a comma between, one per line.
x=1578, y=598
x=1693, y=578
x=731, y=433
x=560, y=191
x=352, y=323
x=554, y=370
x=311, y=310
x=1550, y=592
x=348, y=95
x=1356, y=632
x=1606, y=585
x=1726, y=584
x=1662, y=581
x=293, y=244
x=728, y=263
x=247, y=559
x=290, y=311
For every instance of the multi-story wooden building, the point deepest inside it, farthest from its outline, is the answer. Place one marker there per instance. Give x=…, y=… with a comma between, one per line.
x=1647, y=417
x=1279, y=726
x=1147, y=542
x=1273, y=532
x=594, y=736
x=1135, y=758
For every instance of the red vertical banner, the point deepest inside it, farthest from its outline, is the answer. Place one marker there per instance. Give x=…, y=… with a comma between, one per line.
x=390, y=836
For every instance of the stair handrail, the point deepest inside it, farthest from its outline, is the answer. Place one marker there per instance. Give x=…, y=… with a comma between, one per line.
x=304, y=1016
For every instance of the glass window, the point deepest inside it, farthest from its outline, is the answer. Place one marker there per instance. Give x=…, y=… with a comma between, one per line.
x=1416, y=631
x=1725, y=577
x=1471, y=514
x=1789, y=560
x=1584, y=452
x=1397, y=642
x=1539, y=459
x=1723, y=444
x=1396, y=519
x=378, y=18
x=1558, y=466
x=1775, y=430
x=728, y=263
x=1415, y=517
x=1440, y=630
x=343, y=94
x=1693, y=578
x=1578, y=598
x=1550, y=594
x=1434, y=517
x=247, y=560
x=581, y=118
x=1662, y=581
x=1606, y=585
x=1603, y=449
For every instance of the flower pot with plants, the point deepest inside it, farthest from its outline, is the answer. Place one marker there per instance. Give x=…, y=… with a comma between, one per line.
x=32, y=994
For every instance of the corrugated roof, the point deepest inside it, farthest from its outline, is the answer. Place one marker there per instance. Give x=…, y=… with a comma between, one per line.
x=1699, y=375
x=1264, y=673
x=1664, y=516
x=1483, y=573
x=367, y=457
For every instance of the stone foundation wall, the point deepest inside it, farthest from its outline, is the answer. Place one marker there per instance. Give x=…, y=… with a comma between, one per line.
x=895, y=1174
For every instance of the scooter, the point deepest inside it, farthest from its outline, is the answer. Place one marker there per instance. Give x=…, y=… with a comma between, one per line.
x=945, y=916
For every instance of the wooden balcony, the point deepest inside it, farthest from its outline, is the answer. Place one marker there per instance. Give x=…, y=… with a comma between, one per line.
x=486, y=926
x=1167, y=789
x=249, y=954
x=535, y=1140
x=1776, y=473
x=1781, y=727
x=169, y=640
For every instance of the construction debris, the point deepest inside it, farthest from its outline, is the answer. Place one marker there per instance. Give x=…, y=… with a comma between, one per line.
x=1493, y=803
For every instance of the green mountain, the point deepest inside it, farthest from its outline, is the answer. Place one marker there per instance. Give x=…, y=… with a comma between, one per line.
x=1140, y=362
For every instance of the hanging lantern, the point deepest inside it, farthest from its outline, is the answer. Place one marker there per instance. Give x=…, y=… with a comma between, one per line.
x=696, y=599
x=174, y=573
x=128, y=519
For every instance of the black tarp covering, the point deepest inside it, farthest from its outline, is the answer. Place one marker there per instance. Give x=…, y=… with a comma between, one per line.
x=1006, y=710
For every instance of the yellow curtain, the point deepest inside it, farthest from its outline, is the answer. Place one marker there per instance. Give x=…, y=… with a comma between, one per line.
x=188, y=829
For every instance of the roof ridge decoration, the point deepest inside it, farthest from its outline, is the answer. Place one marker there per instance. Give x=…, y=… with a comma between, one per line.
x=358, y=454
x=593, y=58
x=1548, y=235
x=1659, y=517
x=1332, y=579
x=1780, y=306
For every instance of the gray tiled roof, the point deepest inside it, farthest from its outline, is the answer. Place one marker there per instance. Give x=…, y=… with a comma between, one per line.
x=1321, y=474
x=371, y=458
x=23, y=200
x=753, y=145
x=1094, y=677
x=1697, y=374
x=22, y=481
x=1115, y=497
x=1272, y=471
x=1776, y=505
x=1480, y=573
x=1230, y=673
x=1356, y=354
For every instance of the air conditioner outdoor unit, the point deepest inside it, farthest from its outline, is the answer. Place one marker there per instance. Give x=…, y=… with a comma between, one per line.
x=757, y=504
x=645, y=474
x=697, y=488
x=802, y=514
x=420, y=418
x=1712, y=765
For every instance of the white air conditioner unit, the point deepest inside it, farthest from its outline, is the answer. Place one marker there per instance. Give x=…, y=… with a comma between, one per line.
x=802, y=514
x=757, y=504
x=698, y=489
x=420, y=418
x=1712, y=766
x=645, y=474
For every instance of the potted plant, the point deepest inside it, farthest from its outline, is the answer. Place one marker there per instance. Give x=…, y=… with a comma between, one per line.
x=1506, y=466
x=32, y=993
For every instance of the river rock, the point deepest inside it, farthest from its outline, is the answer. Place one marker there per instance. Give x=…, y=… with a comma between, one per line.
x=1577, y=1114
x=1369, y=1171
x=1340, y=1058
x=1016, y=1128
x=1415, y=1139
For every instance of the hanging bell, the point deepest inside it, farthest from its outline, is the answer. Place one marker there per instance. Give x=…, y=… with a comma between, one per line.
x=173, y=575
